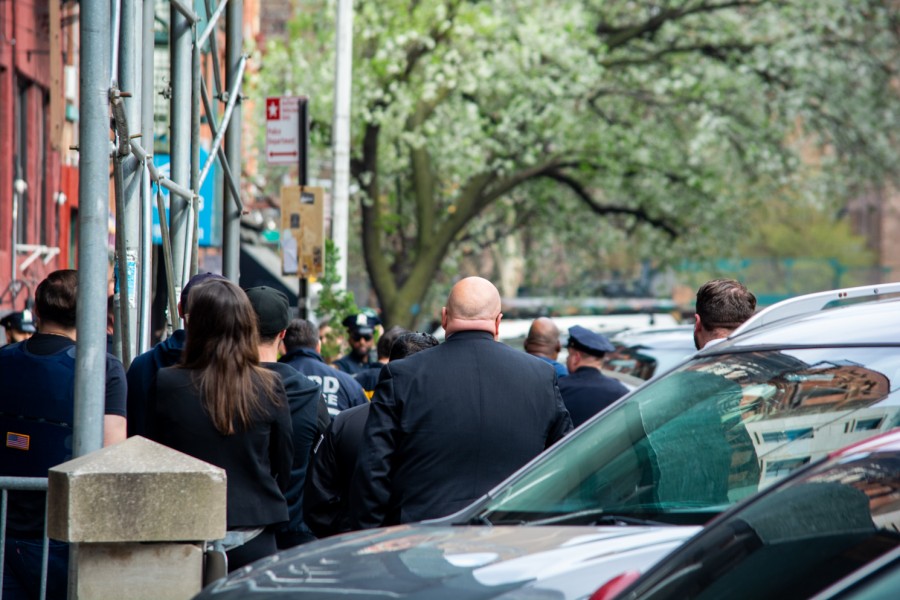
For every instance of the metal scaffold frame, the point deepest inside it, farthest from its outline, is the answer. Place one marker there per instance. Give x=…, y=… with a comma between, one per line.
x=123, y=49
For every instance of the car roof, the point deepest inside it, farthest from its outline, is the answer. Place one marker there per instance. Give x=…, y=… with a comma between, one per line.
x=680, y=336
x=872, y=323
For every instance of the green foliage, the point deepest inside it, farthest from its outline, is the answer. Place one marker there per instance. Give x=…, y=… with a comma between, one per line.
x=597, y=133
x=335, y=304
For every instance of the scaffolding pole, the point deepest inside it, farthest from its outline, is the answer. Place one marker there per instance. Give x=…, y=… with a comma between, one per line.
x=231, y=214
x=180, y=39
x=129, y=256
x=93, y=195
x=146, y=216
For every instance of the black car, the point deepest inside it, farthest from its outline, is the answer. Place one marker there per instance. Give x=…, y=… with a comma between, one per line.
x=634, y=481
x=831, y=530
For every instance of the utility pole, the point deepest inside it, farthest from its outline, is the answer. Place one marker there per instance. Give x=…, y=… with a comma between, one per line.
x=340, y=188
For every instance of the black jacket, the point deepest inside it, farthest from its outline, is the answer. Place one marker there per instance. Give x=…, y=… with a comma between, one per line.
x=339, y=389
x=303, y=396
x=257, y=462
x=447, y=424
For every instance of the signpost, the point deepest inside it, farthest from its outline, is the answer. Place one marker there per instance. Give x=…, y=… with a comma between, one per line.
x=284, y=137
x=302, y=207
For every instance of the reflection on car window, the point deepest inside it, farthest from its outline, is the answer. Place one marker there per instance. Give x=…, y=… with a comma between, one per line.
x=713, y=432
x=794, y=542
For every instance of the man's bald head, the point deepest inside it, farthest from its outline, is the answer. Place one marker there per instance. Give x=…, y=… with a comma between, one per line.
x=473, y=305
x=543, y=338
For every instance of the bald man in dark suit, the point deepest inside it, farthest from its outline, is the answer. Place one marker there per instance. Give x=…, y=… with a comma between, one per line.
x=451, y=422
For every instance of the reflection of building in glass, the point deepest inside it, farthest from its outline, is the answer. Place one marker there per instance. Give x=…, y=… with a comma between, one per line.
x=795, y=412
x=819, y=408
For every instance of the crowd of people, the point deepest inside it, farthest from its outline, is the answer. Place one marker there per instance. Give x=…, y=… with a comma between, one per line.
x=310, y=449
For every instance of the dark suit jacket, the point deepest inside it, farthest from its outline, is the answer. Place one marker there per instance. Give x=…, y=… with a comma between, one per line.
x=257, y=462
x=328, y=483
x=449, y=423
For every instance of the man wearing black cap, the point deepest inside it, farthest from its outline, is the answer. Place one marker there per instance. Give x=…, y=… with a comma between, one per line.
x=165, y=354
x=304, y=398
x=586, y=391
x=361, y=328
x=18, y=326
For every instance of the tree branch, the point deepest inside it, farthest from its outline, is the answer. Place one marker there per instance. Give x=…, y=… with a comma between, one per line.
x=619, y=36
x=584, y=195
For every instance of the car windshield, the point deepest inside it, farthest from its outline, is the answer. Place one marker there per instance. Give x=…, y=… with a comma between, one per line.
x=714, y=431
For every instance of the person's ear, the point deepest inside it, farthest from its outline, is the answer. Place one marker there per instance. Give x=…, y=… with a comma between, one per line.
x=698, y=326
x=444, y=318
x=497, y=326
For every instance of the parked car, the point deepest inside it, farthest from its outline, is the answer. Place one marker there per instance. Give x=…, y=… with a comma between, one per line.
x=647, y=352
x=834, y=522
x=634, y=481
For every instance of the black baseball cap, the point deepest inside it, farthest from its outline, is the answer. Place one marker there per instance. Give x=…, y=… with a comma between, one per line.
x=273, y=310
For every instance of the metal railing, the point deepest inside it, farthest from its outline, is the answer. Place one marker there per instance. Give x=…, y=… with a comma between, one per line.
x=37, y=484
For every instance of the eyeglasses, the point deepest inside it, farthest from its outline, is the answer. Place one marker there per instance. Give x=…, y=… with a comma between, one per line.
x=356, y=337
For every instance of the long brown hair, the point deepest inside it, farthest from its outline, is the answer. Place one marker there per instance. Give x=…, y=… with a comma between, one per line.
x=222, y=348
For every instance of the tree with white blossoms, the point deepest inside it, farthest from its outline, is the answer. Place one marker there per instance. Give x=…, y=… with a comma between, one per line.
x=670, y=122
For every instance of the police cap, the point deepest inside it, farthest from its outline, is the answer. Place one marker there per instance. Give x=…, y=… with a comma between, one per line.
x=361, y=324
x=588, y=341
x=19, y=321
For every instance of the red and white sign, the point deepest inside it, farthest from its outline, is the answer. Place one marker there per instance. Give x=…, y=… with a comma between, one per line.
x=283, y=130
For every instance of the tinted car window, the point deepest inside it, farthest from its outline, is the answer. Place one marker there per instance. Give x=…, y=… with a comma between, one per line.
x=714, y=431
x=795, y=541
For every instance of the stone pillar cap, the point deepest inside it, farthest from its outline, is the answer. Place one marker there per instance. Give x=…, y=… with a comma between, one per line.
x=136, y=491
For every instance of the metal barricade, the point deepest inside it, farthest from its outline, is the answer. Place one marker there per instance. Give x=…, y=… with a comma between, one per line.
x=35, y=484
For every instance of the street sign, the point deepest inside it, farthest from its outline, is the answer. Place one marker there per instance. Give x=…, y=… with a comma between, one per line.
x=302, y=231
x=283, y=130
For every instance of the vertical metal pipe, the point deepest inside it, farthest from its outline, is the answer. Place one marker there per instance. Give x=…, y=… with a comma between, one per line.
x=196, y=76
x=145, y=333
x=303, y=110
x=231, y=217
x=146, y=226
x=179, y=134
x=340, y=191
x=129, y=42
x=93, y=198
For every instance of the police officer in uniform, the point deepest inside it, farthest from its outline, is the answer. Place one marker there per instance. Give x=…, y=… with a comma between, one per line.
x=586, y=391
x=18, y=326
x=368, y=377
x=361, y=330
x=37, y=409
x=340, y=390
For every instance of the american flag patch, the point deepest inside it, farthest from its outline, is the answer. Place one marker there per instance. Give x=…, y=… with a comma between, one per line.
x=18, y=440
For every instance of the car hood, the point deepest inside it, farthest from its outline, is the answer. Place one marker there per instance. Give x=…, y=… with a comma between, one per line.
x=435, y=562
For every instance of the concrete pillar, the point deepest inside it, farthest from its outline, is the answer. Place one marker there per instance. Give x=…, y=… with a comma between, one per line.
x=136, y=514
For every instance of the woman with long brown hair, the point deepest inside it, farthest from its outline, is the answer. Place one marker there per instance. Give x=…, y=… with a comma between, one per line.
x=221, y=407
